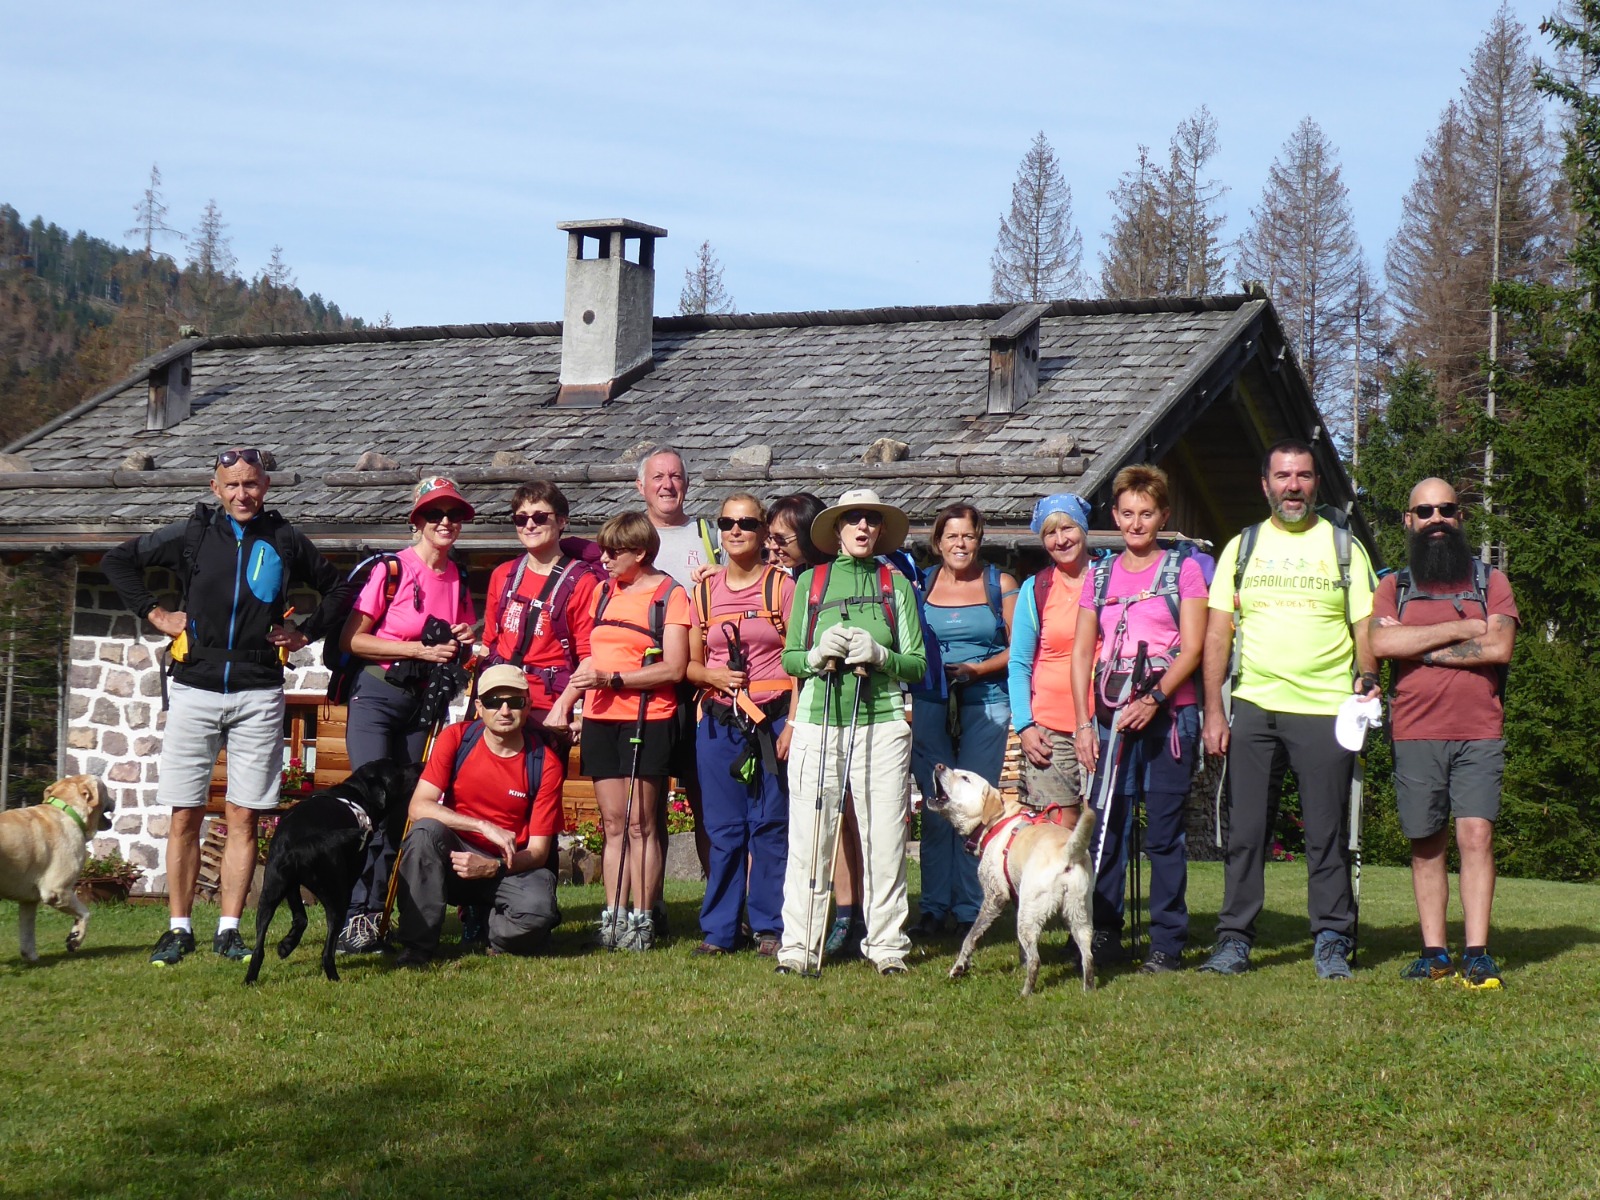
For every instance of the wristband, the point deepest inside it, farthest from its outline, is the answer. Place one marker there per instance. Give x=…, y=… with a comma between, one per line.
x=1085, y=725
x=616, y=681
x=1369, y=680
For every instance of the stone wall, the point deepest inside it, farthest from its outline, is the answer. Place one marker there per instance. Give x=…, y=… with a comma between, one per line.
x=115, y=721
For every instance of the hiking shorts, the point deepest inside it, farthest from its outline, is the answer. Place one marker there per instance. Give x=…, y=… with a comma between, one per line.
x=1435, y=781
x=607, y=749
x=1058, y=783
x=199, y=723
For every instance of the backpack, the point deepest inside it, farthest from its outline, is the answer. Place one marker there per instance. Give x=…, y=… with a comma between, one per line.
x=1247, y=545
x=933, y=682
x=1406, y=590
x=657, y=618
x=533, y=748
x=577, y=560
x=771, y=609
x=991, y=594
x=343, y=665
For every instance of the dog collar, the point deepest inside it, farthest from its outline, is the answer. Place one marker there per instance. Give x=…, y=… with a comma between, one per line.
x=362, y=816
x=56, y=802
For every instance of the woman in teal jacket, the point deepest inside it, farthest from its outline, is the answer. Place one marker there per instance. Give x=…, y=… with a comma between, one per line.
x=851, y=613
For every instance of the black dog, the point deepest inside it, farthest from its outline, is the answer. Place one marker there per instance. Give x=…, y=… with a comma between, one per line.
x=321, y=845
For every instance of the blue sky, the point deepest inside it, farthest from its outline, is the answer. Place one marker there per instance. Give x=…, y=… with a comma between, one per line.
x=414, y=158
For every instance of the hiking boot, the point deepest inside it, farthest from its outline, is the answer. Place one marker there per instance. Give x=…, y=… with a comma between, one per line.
x=606, y=931
x=1480, y=973
x=1332, y=955
x=1106, y=947
x=639, y=934
x=474, y=927
x=360, y=935
x=1429, y=969
x=1159, y=962
x=767, y=945
x=171, y=947
x=658, y=917
x=413, y=959
x=840, y=944
x=927, y=927
x=710, y=950
x=962, y=929
x=893, y=966
x=1230, y=957
x=230, y=945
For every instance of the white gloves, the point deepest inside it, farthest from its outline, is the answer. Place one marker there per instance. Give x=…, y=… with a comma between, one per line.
x=832, y=642
x=864, y=649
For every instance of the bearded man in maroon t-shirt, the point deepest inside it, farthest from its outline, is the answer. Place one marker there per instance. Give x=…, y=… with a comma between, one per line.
x=1449, y=623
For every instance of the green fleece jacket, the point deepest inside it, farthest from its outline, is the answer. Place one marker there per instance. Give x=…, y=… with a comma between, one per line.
x=852, y=598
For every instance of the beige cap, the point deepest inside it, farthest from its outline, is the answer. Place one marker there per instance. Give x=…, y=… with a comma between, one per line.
x=502, y=676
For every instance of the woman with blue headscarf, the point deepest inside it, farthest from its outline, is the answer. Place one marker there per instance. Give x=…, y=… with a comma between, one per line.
x=1044, y=628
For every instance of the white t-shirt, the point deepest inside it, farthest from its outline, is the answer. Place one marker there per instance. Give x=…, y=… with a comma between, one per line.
x=682, y=550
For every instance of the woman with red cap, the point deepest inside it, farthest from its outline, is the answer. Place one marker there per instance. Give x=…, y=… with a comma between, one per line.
x=385, y=630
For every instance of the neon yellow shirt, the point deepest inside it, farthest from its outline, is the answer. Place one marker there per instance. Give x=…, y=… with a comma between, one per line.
x=1297, y=651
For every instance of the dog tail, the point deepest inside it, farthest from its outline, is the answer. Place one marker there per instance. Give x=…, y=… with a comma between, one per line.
x=1078, y=844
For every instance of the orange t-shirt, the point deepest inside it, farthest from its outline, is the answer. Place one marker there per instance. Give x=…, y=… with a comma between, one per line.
x=621, y=647
x=1052, y=668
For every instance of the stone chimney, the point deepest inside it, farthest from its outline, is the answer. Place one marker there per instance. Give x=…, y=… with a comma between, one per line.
x=606, y=321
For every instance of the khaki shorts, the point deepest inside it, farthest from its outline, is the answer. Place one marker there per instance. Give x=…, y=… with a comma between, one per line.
x=1059, y=783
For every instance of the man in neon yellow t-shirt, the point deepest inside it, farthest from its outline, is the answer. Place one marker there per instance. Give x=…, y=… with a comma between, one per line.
x=1303, y=621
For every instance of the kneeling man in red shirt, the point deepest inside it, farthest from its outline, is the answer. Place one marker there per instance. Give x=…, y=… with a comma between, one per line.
x=484, y=820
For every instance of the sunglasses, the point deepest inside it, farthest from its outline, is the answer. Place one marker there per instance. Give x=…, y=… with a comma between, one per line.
x=778, y=540
x=433, y=516
x=857, y=515
x=532, y=520
x=242, y=454
x=514, y=703
x=748, y=524
x=1448, y=511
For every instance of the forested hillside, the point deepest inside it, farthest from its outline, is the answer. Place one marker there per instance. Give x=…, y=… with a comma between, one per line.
x=76, y=312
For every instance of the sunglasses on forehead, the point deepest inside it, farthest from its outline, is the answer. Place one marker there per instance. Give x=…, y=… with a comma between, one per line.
x=748, y=524
x=240, y=454
x=1424, y=512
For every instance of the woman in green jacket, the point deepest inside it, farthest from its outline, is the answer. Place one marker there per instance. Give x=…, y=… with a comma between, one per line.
x=853, y=613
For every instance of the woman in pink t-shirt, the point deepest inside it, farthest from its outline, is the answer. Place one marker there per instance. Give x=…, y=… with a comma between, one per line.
x=1157, y=598
x=742, y=732
x=385, y=708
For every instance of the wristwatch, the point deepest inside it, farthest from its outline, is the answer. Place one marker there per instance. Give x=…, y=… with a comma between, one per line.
x=616, y=681
x=1158, y=696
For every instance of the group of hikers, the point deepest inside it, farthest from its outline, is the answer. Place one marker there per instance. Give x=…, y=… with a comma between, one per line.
x=764, y=661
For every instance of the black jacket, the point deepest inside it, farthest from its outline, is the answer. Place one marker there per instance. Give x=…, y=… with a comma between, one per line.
x=234, y=592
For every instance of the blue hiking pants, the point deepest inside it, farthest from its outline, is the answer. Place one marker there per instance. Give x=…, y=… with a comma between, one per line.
x=949, y=873
x=747, y=823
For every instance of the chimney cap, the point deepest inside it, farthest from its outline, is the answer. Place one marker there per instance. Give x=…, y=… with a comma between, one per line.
x=605, y=225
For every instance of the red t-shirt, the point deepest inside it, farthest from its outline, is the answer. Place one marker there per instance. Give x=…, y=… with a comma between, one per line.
x=495, y=789
x=1445, y=704
x=502, y=624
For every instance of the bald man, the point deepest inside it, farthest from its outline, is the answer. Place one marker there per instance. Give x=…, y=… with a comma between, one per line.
x=1449, y=622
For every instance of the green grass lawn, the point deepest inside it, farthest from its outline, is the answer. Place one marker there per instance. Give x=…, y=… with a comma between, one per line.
x=587, y=1074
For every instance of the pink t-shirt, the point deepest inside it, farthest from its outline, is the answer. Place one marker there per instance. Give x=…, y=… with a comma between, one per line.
x=1149, y=619
x=422, y=593
x=762, y=644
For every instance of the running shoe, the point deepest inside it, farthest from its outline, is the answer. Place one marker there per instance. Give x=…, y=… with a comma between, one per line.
x=1159, y=962
x=1480, y=973
x=171, y=947
x=1428, y=969
x=606, y=931
x=229, y=944
x=360, y=935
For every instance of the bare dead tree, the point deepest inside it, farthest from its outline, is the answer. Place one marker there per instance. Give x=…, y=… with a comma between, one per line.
x=212, y=259
x=1137, y=256
x=1193, y=203
x=1038, y=252
x=703, y=290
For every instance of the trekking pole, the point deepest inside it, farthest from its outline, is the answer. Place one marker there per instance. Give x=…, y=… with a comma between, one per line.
x=627, y=809
x=861, y=673
x=1357, y=786
x=392, y=891
x=1138, y=889
x=830, y=677
x=1108, y=791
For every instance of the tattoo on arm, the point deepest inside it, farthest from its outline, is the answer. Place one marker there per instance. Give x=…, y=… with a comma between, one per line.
x=1460, y=652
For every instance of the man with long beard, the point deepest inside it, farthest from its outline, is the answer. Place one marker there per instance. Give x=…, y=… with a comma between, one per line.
x=1449, y=622
x=1300, y=590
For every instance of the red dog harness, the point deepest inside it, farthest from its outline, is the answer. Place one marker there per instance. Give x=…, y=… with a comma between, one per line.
x=1052, y=814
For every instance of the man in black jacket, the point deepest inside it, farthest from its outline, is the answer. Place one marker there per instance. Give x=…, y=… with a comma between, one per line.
x=234, y=565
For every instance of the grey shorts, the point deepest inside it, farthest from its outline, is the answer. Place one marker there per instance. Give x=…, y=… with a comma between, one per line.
x=199, y=723
x=1434, y=781
x=1059, y=782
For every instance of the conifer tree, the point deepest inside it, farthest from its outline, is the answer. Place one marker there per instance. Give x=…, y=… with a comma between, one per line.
x=1137, y=258
x=1302, y=246
x=212, y=261
x=703, y=290
x=1193, y=202
x=1038, y=252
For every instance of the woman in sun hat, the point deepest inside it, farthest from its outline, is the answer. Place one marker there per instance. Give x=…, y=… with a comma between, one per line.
x=848, y=613
x=384, y=630
x=1039, y=676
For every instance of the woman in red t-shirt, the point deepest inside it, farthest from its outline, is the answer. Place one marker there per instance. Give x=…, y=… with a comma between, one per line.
x=536, y=617
x=639, y=651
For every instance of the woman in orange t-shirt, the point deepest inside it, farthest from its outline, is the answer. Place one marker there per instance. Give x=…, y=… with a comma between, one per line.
x=638, y=653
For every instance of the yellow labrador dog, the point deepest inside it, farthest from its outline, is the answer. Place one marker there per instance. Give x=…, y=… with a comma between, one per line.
x=1043, y=865
x=42, y=850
